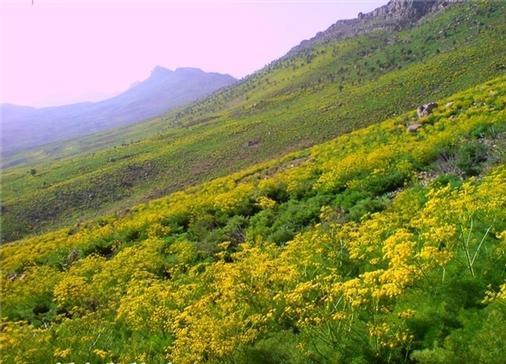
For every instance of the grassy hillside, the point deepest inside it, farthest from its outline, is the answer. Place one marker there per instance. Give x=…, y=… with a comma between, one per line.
x=26, y=127
x=379, y=246
x=330, y=90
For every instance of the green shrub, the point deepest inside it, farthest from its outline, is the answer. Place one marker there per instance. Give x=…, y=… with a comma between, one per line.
x=367, y=206
x=471, y=157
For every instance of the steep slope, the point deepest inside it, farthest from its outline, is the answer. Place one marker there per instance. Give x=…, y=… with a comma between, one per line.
x=395, y=15
x=379, y=246
x=306, y=99
x=24, y=127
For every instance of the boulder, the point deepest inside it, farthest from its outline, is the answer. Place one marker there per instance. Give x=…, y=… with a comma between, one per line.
x=425, y=109
x=413, y=128
x=73, y=256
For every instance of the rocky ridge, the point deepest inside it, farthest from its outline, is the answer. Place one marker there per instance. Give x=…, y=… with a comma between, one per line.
x=394, y=16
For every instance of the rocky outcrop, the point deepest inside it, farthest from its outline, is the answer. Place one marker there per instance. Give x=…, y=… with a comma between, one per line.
x=395, y=15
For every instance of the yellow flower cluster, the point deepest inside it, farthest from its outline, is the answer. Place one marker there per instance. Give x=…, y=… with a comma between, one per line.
x=265, y=202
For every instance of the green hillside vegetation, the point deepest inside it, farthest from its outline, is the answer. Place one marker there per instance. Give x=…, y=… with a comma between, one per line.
x=378, y=246
x=312, y=97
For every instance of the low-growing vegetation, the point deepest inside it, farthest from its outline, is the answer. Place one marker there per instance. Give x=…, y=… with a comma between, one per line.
x=378, y=246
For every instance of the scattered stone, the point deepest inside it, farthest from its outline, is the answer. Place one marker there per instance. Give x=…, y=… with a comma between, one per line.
x=426, y=109
x=413, y=128
x=73, y=256
x=489, y=143
x=12, y=276
x=425, y=177
x=253, y=143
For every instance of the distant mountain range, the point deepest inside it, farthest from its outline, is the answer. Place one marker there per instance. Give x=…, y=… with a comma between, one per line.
x=25, y=127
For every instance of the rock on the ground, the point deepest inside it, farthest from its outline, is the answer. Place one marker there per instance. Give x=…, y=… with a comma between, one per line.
x=425, y=109
x=413, y=128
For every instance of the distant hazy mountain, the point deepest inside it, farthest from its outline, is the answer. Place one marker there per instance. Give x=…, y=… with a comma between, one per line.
x=25, y=127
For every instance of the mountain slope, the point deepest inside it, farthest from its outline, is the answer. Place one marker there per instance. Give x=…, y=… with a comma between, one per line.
x=24, y=127
x=393, y=16
x=379, y=246
x=306, y=99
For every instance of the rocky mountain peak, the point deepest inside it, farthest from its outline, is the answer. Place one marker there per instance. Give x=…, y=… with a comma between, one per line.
x=404, y=11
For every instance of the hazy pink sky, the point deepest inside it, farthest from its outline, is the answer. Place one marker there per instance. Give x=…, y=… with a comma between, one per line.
x=58, y=52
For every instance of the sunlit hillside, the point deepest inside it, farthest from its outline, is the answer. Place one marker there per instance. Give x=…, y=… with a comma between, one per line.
x=308, y=98
x=383, y=245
